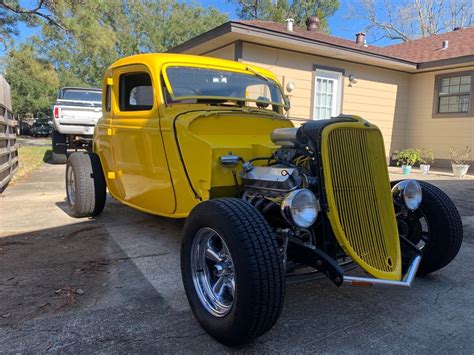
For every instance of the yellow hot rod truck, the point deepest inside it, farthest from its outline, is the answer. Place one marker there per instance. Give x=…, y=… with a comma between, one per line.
x=266, y=203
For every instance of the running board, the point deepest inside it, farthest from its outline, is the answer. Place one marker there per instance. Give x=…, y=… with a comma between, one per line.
x=369, y=281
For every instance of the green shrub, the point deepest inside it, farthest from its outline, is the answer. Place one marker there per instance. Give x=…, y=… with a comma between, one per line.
x=409, y=156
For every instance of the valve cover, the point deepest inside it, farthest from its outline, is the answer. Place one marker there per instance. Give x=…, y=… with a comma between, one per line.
x=272, y=178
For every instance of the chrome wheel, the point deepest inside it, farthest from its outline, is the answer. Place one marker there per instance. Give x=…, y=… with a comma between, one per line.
x=70, y=186
x=213, y=272
x=415, y=228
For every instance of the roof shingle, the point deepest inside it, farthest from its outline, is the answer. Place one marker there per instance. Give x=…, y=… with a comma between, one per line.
x=427, y=49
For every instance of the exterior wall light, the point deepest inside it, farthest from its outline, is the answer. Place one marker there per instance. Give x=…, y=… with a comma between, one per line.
x=352, y=79
x=290, y=86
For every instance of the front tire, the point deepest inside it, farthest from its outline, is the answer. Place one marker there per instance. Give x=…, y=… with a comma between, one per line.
x=435, y=228
x=228, y=242
x=85, y=185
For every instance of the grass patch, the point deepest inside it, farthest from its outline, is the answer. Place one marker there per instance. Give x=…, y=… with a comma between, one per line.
x=30, y=158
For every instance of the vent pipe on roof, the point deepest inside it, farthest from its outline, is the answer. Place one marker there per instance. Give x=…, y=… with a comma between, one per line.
x=360, y=38
x=289, y=24
x=445, y=44
x=312, y=24
x=457, y=28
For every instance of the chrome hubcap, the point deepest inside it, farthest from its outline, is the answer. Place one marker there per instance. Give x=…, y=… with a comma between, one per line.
x=70, y=186
x=213, y=272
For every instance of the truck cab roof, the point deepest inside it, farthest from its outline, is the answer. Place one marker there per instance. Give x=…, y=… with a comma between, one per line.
x=69, y=88
x=157, y=60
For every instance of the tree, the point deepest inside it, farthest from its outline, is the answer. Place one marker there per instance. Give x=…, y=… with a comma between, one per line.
x=81, y=54
x=280, y=10
x=87, y=36
x=7, y=27
x=101, y=31
x=33, y=81
x=41, y=10
x=156, y=26
x=409, y=19
x=11, y=13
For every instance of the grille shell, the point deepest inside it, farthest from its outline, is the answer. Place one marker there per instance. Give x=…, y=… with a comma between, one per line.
x=360, y=206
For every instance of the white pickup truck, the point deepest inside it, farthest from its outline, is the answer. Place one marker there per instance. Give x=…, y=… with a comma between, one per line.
x=75, y=115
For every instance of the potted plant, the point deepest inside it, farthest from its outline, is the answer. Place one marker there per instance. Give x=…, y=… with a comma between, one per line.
x=459, y=159
x=427, y=158
x=407, y=158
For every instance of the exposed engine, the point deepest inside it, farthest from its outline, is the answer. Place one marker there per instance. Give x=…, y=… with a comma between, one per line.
x=272, y=181
x=288, y=170
x=286, y=191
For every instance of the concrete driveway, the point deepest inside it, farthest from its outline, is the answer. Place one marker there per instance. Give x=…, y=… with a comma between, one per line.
x=113, y=284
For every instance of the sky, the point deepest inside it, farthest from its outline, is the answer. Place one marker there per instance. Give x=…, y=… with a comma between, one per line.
x=339, y=25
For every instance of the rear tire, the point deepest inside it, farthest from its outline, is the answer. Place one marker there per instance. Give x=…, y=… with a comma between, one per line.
x=443, y=236
x=257, y=270
x=85, y=185
x=59, y=145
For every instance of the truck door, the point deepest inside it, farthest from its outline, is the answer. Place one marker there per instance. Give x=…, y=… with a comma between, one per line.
x=102, y=133
x=142, y=178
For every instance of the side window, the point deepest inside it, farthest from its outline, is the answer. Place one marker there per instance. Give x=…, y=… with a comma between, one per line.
x=108, y=94
x=454, y=95
x=136, y=92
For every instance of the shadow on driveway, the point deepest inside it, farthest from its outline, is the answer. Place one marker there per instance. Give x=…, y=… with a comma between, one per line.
x=113, y=284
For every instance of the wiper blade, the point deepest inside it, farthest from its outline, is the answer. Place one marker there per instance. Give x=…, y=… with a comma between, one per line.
x=250, y=69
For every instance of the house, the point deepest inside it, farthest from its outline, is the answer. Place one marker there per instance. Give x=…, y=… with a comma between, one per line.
x=420, y=93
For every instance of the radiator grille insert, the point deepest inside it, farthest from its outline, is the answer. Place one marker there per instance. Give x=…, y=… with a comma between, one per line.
x=361, y=198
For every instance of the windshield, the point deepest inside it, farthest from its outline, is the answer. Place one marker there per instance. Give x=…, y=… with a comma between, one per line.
x=82, y=95
x=201, y=85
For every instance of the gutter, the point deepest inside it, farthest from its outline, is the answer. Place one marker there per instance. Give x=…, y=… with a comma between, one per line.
x=445, y=62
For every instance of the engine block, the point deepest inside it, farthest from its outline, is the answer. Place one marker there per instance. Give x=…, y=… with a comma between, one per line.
x=268, y=179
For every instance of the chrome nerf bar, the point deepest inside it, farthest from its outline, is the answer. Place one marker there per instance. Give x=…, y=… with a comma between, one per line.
x=369, y=281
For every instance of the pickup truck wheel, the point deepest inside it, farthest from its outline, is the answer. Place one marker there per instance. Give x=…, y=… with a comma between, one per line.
x=435, y=228
x=232, y=270
x=59, y=148
x=85, y=185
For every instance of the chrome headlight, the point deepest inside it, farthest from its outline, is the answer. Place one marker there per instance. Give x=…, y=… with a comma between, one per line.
x=408, y=193
x=300, y=207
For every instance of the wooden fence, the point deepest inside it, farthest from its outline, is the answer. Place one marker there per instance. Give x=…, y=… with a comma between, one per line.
x=8, y=130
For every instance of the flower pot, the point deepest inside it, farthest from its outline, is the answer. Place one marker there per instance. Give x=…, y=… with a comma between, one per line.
x=460, y=170
x=425, y=169
x=406, y=169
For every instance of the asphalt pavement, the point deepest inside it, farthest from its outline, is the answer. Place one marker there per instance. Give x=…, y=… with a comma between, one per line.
x=112, y=285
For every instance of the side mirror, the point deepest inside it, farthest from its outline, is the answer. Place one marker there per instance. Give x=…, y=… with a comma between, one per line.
x=263, y=102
